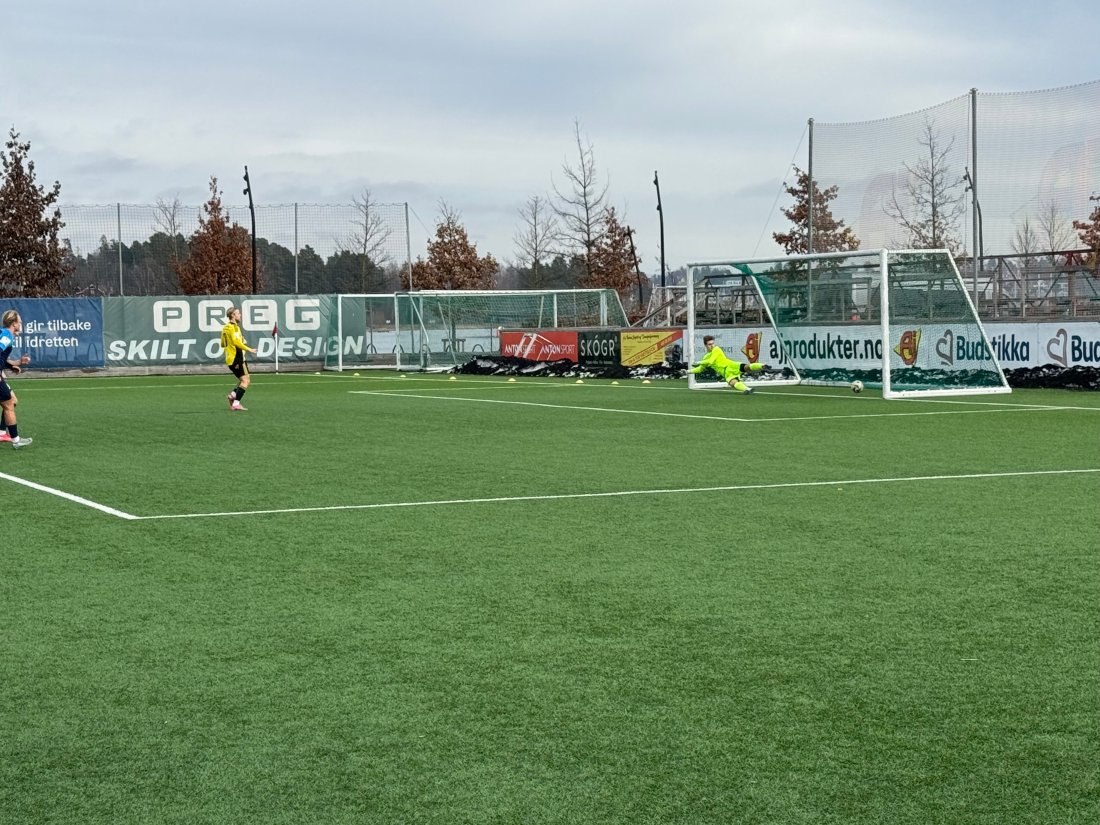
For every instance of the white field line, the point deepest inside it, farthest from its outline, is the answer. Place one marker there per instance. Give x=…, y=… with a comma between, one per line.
x=545, y=497
x=42, y=488
x=613, y=494
x=695, y=415
x=761, y=389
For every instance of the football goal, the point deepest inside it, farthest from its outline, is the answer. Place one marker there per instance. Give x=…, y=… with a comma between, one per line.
x=898, y=319
x=441, y=329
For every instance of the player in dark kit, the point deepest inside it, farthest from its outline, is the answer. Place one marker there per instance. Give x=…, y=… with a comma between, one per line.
x=12, y=326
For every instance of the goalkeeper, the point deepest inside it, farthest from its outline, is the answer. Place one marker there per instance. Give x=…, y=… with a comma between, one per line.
x=730, y=370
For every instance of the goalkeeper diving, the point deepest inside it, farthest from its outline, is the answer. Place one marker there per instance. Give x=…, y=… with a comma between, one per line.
x=728, y=369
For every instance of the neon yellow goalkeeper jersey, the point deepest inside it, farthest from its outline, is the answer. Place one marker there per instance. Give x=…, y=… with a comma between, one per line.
x=232, y=340
x=719, y=362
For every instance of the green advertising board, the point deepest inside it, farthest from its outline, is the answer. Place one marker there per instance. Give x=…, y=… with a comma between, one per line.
x=164, y=331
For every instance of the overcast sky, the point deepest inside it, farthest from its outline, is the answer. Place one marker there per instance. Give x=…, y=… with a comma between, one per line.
x=474, y=103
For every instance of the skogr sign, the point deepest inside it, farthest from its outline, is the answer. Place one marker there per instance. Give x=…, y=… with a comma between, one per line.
x=599, y=349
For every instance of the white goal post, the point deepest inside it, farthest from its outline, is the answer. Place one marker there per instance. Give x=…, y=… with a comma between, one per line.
x=902, y=320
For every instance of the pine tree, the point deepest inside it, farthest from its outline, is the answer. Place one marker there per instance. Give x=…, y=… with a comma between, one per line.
x=220, y=259
x=33, y=263
x=830, y=235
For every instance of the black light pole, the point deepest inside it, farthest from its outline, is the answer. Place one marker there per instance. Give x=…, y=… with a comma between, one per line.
x=970, y=187
x=661, y=213
x=637, y=268
x=252, y=211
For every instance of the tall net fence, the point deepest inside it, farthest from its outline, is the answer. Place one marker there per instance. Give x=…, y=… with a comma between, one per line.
x=122, y=249
x=1034, y=156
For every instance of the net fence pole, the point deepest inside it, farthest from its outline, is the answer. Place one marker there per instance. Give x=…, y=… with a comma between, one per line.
x=408, y=247
x=118, y=224
x=296, y=249
x=884, y=316
x=810, y=192
x=689, y=323
x=974, y=187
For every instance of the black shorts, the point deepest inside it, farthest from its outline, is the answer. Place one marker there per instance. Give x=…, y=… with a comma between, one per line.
x=5, y=390
x=239, y=368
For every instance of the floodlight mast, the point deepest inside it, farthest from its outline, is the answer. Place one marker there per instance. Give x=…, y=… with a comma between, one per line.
x=252, y=212
x=661, y=215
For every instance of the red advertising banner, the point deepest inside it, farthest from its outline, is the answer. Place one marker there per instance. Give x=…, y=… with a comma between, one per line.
x=540, y=345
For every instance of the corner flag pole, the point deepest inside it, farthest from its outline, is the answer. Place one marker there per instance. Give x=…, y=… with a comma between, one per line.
x=275, y=335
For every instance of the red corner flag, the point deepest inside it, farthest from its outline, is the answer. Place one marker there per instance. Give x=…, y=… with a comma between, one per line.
x=275, y=330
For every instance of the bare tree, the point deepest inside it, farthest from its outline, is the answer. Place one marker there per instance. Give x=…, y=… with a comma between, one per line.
x=371, y=232
x=581, y=209
x=366, y=245
x=152, y=266
x=167, y=216
x=167, y=219
x=1055, y=229
x=537, y=237
x=934, y=197
x=1026, y=242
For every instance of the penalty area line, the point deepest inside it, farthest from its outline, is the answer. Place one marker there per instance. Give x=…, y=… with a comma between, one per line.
x=95, y=505
x=612, y=494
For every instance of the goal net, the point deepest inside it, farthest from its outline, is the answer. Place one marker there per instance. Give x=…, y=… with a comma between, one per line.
x=899, y=319
x=441, y=329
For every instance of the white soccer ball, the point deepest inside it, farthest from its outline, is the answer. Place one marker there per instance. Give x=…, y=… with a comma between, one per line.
x=857, y=386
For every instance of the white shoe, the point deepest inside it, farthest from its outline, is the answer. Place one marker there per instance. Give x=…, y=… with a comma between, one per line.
x=236, y=405
x=232, y=400
x=22, y=442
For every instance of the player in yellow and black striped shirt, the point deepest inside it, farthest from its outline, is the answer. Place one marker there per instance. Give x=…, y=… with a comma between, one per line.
x=235, y=347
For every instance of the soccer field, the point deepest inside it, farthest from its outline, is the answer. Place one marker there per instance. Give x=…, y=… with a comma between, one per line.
x=387, y=599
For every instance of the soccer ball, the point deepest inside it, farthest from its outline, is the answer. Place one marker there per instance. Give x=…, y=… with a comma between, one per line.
x=857, y=386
